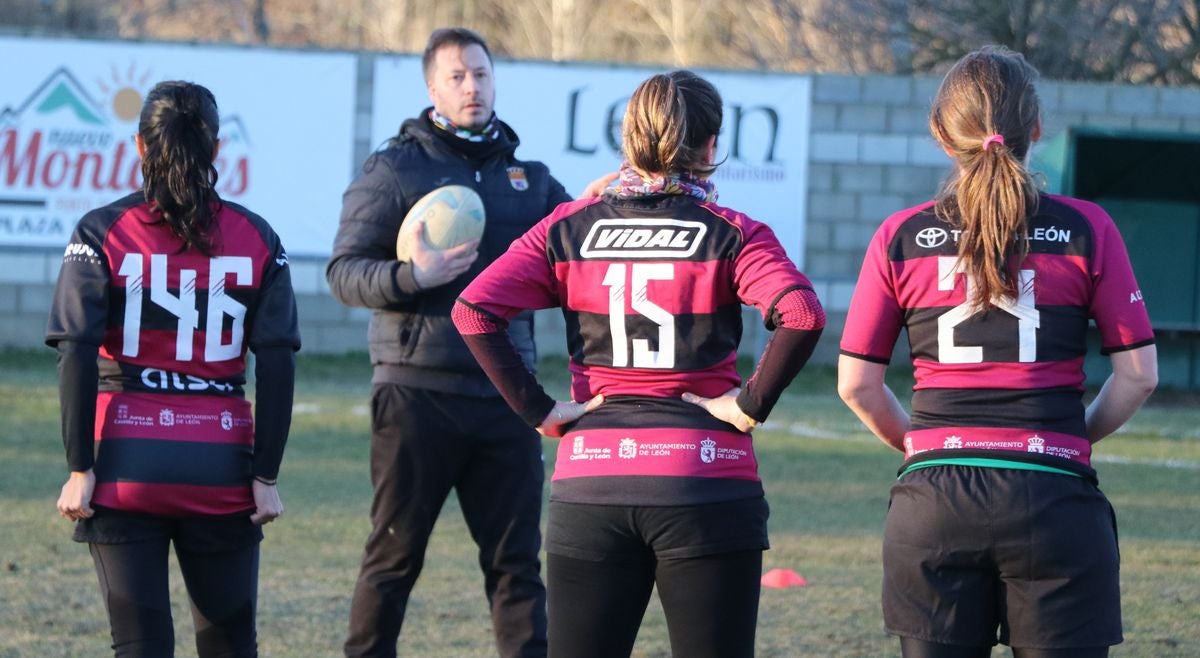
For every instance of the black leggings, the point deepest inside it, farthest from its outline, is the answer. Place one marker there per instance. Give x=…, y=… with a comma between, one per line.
x=222, y=588
x=914, y=648
x=710, y=602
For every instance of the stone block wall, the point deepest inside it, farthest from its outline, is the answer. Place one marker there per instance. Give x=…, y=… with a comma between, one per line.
x=871, y=154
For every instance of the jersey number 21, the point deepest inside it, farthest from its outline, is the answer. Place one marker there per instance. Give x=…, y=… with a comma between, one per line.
x=1028, y=317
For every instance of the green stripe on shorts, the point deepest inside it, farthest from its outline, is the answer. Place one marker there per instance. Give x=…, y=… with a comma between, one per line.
x=984, y=462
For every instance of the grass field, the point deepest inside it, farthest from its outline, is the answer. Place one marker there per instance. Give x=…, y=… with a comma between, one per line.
x=827, y=482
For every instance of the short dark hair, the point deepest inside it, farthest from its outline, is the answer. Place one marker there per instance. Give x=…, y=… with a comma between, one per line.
x=450, y=36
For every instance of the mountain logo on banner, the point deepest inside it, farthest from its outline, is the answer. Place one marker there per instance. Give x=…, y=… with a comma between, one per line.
x=66, y=147
x=63, y=97
x=60, y=94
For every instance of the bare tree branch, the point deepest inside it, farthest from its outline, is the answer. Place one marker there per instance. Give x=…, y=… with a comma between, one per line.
x=1155, y=41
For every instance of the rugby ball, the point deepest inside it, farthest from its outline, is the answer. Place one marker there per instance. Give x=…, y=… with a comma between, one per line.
x=452, y=214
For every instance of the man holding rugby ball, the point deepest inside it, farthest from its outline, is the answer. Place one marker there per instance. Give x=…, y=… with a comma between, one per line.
x=437, y=423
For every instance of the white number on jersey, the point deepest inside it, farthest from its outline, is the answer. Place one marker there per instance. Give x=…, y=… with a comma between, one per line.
x=183, y=305
x=642, y=274
x=1028, y=317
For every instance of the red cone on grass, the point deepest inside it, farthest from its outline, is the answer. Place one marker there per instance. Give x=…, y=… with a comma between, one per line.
x=781, y=578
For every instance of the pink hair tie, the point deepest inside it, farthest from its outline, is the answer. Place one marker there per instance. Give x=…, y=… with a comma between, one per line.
x=997, y=138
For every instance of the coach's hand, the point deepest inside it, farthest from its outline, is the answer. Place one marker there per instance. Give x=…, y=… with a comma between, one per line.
x=597, y=187
x=267, y=505
x=566, y=412
x=75, y=500
x=724, y=407
x=433, y=267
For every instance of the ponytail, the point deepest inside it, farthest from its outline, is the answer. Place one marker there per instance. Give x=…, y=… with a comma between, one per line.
x=668, y=122
x=986, y=115
x=178, y=125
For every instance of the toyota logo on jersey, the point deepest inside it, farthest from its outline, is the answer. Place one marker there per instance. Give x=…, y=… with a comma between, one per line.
x=931, y=237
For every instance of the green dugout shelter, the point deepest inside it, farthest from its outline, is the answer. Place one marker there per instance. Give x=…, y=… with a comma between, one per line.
x=1150, y=184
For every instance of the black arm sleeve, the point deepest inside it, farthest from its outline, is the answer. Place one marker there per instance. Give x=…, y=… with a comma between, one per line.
x=785, y=354
x=503, y=365
x=78, y=383
x=275, y=383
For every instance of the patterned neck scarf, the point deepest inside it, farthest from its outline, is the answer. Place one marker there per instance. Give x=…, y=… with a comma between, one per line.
x=632, y=184
x=488, y=133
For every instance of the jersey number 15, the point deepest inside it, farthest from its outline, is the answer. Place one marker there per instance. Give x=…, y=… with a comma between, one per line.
x=642, y=274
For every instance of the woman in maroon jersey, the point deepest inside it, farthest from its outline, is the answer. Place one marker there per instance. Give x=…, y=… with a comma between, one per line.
x=159, y=296
x=656, y=481
x=996, y=530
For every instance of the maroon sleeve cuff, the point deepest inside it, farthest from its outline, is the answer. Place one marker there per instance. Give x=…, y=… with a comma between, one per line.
x=470, y=319
x=798, y=308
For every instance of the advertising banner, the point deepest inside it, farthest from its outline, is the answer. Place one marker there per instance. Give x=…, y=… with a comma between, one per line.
x=69, y=110
x=569, y=116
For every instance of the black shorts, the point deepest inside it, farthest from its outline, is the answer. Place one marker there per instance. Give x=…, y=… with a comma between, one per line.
x=601, y=533
x=200, y=534
x=973, y=555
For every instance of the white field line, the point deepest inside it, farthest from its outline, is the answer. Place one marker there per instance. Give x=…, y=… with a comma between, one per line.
x=1165, y=463
x=311, y=408
x=810, y=432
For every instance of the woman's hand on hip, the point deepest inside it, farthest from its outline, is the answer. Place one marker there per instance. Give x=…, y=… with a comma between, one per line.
x=566, y=412
x=724, y=407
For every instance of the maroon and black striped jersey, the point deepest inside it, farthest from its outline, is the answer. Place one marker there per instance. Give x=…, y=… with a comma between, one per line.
x=652, y=292
x=1009, y=377
x=175, y=434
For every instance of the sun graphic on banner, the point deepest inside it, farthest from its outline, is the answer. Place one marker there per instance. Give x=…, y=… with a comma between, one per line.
x=124, y=92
